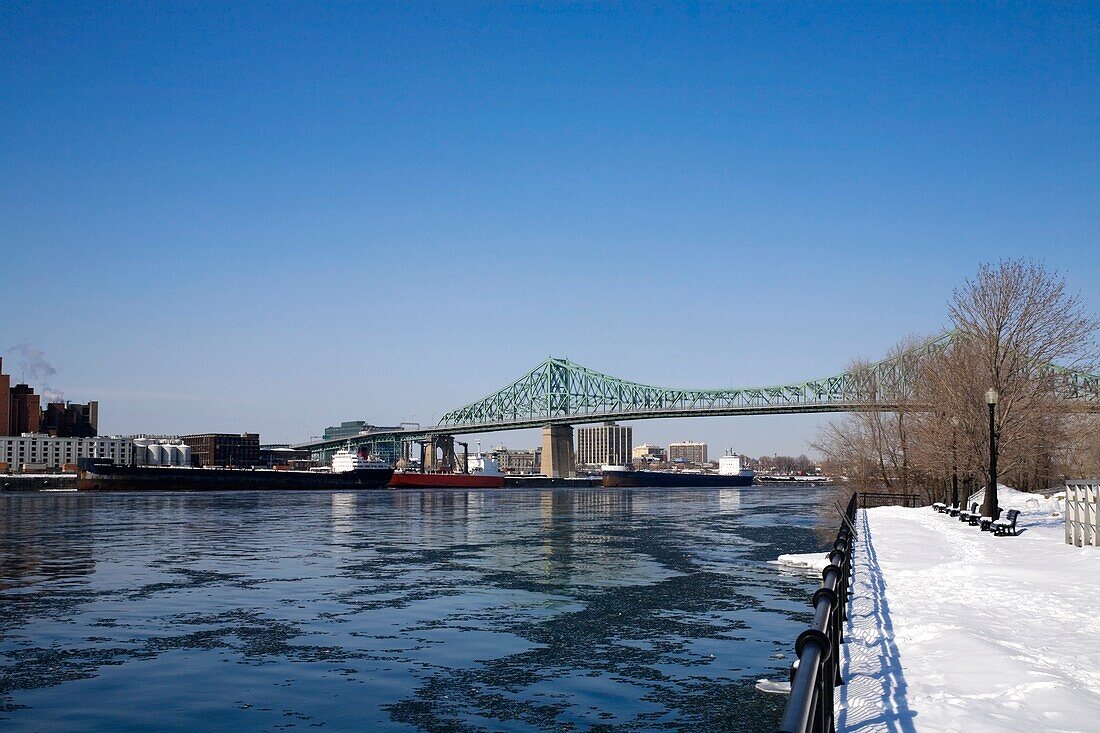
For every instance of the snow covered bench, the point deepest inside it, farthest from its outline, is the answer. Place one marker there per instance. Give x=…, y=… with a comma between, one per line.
x=939, y=506
x=1006, y=524
x=971, y=516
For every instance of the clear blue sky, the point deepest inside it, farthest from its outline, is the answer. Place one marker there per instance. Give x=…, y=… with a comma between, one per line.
x=275, y=218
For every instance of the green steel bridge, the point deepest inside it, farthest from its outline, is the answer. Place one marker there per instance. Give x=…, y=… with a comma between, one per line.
x=559, y=392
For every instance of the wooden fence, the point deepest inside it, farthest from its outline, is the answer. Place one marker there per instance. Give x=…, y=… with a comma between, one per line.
x=1082, y=520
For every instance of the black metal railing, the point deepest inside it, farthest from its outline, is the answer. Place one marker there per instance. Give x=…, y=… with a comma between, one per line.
x=816, y=671
x=871, y=500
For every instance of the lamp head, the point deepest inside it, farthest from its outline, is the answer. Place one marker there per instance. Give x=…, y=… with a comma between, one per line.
x=991, y=396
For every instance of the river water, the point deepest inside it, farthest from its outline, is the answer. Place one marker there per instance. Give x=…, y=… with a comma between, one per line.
x=574, y=610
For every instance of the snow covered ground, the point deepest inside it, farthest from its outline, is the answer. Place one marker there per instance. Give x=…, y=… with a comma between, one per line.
x=953, y=629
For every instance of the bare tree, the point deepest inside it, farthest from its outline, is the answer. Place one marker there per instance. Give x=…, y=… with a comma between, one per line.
x=1012, y=322
x=874, y=448
x=1080, y=457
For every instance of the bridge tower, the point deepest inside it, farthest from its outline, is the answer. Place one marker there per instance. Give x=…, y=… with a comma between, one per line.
x=557, y=452
x=445, y=444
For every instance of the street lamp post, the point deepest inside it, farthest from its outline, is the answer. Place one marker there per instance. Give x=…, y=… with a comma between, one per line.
x=989, y=507
x=954, y=463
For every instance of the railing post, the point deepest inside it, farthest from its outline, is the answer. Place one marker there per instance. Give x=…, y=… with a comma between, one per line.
x=816, y=670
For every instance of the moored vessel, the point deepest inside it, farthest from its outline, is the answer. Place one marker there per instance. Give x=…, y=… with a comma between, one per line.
x=96, y=474
x=730, y=474
x=484, y=474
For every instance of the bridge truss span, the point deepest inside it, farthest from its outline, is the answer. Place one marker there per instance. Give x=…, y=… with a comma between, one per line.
x=559, y=391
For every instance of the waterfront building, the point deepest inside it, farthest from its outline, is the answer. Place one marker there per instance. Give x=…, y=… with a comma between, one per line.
x=688, y=451
x=5, y=399
x=283, y=455
x=160, y=450
x=232, y=450
x=38, y=451
x=25, y=411
x=70, y=420
x=354, y=428
x=346, y=429
x=648, y=453
x=607, y=444
x=517, y=461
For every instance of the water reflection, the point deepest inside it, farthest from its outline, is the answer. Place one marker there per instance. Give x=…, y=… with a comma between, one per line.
x=343, y=514
x=59, y=555
x=465, y=610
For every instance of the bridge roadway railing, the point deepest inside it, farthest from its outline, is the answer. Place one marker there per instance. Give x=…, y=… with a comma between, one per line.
x=580, y=418
x=816, y=671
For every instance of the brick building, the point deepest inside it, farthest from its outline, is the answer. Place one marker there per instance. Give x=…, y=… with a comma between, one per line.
x=25, y=410
x=70, y=420
x=235, y=450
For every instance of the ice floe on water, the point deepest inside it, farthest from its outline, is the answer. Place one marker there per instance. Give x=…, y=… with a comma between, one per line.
x=815, y=561
x=774, y=687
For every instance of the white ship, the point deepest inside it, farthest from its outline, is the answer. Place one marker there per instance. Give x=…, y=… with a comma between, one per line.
x=732, y=465
x=345, y=460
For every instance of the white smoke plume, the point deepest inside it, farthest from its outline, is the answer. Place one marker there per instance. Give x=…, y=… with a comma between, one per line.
x=49, y=394
x=32, y=362
x=34, y=368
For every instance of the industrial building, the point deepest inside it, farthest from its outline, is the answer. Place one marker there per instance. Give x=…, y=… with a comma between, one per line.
x=70, y=420
x=5, y=399
x=607, y=444
x=161, y=450
x=688, y=451
x=24, y=410
x=232, y=450
x=282, y=455
x=21, y=412
x=354, y=428
x=517, y=461
x=38, y=452
x=20, y=407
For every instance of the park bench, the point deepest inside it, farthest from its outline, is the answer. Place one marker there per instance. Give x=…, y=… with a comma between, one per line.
x=939, y=506
x=965, y=516
x=987, y=522
x=1007, y=523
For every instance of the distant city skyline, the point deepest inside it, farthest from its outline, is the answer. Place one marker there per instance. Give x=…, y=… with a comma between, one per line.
x=274, y=219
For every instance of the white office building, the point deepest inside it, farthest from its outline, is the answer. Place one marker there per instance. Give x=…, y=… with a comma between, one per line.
x=608, y=444
x=689, y=452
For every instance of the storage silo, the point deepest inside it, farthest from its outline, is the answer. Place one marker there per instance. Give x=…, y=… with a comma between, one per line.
x=141, y=451
x=156, y=455
x=185, y=454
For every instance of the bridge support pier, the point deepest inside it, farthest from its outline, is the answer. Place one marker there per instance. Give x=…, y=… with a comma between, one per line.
x=403, y=459
x=432, y=461
x=557, y=452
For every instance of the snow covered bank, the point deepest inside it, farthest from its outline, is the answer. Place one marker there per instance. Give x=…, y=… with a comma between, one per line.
x=953, y=629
